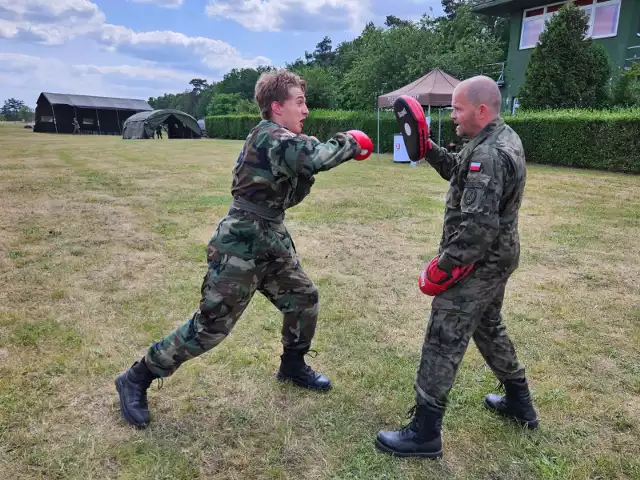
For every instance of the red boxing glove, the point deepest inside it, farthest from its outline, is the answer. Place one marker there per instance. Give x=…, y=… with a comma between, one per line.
x=365, y=143
x=433, y=280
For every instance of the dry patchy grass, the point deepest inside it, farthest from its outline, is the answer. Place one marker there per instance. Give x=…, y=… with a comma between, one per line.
x=102, y=252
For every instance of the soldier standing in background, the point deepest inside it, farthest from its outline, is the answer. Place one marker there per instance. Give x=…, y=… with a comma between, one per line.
x=251, y=248
x=480, y=236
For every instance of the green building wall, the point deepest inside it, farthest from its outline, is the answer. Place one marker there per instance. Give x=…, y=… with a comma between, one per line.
x=617, y=47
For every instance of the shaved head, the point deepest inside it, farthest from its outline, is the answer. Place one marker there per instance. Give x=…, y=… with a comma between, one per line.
x=482, y=90
x=476, y=102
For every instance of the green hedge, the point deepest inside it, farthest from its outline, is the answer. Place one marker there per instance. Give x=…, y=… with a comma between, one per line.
x=607, y=140
x=320, y=123
x=323, y=124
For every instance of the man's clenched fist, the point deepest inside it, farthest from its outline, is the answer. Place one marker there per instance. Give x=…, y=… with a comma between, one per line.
x=365, y=143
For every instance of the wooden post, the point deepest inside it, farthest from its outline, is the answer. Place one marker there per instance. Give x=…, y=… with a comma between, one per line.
x=378, y=142
x=55, y=122
x=118, y=118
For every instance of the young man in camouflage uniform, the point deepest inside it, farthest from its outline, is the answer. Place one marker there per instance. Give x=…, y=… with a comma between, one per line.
x=251, y=248
x=487, y=181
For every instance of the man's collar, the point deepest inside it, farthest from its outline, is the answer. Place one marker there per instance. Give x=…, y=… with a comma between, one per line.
x=481, y=136
x=274, y=123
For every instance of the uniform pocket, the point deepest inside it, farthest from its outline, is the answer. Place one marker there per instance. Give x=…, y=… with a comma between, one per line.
x=240, y=236
x=213, y=256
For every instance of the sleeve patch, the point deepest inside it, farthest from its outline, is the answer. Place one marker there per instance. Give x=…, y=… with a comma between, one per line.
x=470, y=196
x=475, y=167
x=473, y=196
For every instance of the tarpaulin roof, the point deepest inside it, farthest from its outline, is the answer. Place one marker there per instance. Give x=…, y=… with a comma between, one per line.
x=143, y=124
x=90, y=101
x=435, y=89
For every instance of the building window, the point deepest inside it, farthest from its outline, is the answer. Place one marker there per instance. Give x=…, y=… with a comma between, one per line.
x=603, y=20
x=533, y=23
x=532, y=27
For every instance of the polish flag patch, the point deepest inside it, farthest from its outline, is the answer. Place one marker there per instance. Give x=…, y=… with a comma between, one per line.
x=475, y=166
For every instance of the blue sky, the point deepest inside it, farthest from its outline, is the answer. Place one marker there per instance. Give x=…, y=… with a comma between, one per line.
x=143, y=48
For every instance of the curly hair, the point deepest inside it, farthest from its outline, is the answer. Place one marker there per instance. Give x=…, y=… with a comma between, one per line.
x=274, y=86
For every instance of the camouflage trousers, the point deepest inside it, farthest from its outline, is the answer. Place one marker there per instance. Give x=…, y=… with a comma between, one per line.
x=244, y=256
x=470, y=309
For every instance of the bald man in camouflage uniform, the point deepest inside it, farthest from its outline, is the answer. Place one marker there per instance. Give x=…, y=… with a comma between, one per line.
x=251, y=249
x=487, y=181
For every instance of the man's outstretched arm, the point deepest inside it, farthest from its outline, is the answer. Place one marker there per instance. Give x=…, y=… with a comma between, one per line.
x=293, y=155
x=443, y=161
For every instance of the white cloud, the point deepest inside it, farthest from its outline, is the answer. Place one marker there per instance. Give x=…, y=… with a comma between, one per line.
x=49, y=22
x=315, y=15
x=19, y=72
x=40, y=73
x=48, y=11
x=161, y=3
x=17, y=63
x=8, y=29
x=176, y=49
x=304, y=15
x=134, y=71
x=55, y=22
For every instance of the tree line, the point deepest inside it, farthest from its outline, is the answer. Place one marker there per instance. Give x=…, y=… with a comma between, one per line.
x=380, y=59
x=566, y=69
x=14, y=110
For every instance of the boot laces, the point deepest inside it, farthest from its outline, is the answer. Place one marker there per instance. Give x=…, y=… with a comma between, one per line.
x=412, y=411
x=512, y=396
x=140, y=395
x=296, y=364
x=306, y=368
x=143, y=383
x=420, y=425
x=411, y=416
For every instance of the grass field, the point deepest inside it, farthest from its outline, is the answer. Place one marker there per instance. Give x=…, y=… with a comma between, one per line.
x=102, y=252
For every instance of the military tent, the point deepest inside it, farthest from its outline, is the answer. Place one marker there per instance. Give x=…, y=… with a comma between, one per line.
x=55, y=113
x=178, y=124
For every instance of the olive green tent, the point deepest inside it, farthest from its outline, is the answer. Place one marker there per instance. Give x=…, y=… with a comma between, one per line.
x=178, y=124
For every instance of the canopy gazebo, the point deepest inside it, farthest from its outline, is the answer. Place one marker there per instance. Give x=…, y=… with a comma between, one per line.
x=433, y=89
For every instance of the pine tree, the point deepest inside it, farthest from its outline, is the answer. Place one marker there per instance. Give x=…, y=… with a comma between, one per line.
x=566, y=69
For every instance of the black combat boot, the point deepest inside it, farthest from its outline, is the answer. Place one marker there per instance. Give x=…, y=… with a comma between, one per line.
x=516, y=403
x=421, y=438
x=294, y=369
x=132, y=387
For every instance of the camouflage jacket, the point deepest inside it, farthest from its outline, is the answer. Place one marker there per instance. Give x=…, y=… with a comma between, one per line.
x=274, y=172
x=275, y=168
x=487, y=180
